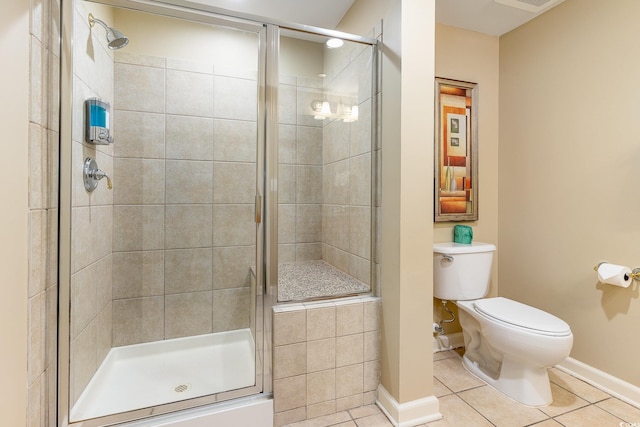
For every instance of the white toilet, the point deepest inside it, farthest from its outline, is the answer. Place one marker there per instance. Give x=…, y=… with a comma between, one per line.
x=509, y=345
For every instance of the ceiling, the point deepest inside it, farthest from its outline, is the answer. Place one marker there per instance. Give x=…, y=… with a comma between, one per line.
x=493, y=17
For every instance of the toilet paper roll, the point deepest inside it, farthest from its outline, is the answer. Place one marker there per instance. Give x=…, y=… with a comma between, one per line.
x=612, y=274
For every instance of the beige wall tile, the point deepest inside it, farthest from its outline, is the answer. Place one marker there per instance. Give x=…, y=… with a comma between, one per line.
x=38, y=233
x=360, y=231
x=235, y=140
x=286, y=223
x=188, y=226
x=372, y=315
x=235, y=98
x=189, y=93
x=188, y=314
x=83, y=299
x=371, y=373
x=360, y=180
x=231, y=309
x=189, y=181
x=321, y=386
x=321, y=355
x=308, y=223
x=234, y=182
x=321, y=409
x=308, y=251
x=335, y=226
x=284, y=418
x=304, y=97
x=349, y=380
x=187, y=270
x=138, y=134
x=349, y=402
x=104, y=333
x=349, y=319
x=335, y=183
x=83, y=362
x=286, y=144
x=287, y=104
x=138, y=181
x=189, y=138
x=371, y=345
x=321, y=323
x=290, y=393
x=37, y=336
x=139, y=88
x=289, y=327
x=286, y=184
x=308, y=184
x=289, y=360
x=335, y=142
x=361, y=130
x=138, y=320
x=231, y=266
x=349, y=350
x=138, y=228
x=138, y=274
x=309, y=145
x=234, y=225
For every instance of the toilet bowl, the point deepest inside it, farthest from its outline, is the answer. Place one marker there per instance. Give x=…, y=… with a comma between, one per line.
x=508, y=344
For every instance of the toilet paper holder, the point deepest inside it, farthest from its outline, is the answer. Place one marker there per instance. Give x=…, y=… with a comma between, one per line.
x=635, y=273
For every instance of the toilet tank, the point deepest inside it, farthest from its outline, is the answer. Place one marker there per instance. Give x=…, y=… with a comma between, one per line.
x=461, y=272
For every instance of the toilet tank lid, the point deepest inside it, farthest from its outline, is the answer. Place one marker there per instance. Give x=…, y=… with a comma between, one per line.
x=452, y=248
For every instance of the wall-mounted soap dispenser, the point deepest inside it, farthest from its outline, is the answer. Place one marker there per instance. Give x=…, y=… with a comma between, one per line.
x=97, y=122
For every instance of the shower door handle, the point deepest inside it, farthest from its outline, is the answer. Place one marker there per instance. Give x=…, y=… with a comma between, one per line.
x=258, y=209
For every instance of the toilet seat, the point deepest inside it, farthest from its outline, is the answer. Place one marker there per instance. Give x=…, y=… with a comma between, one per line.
x=522, y=316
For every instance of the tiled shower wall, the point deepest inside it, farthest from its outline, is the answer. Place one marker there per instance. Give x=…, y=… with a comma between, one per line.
x=42, y=291
x=92, y=213
x=184, y=187
x=325, y=167
x=326, y=357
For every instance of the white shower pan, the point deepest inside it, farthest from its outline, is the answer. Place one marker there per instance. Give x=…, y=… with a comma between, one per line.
x=150, y=374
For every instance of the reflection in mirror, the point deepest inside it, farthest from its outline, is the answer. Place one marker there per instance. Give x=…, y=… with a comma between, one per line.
x=456, y=151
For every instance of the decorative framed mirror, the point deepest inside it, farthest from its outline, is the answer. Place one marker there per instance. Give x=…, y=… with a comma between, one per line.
x=456, y=150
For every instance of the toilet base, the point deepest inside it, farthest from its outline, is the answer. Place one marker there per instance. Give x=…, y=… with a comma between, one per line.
x=526, y=384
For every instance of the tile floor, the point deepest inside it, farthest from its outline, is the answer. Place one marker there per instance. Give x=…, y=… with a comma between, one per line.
x=469, y=402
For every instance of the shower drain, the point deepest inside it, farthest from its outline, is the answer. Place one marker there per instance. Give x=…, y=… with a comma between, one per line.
x=182, y=388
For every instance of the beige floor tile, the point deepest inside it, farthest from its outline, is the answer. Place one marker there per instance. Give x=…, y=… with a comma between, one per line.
x=563, y=402
x=499, y=409
x=620, y=409
x=578, y=387
x=364, y=411
x=347, y=424
x=547, y=423
x=327, y=420
x=457, y=412
x=378, y=420
x=445, y=355
x=453, y=375
x=440, y=389
x=589, y=416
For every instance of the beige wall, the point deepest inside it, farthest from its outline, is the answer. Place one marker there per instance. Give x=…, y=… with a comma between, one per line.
x=407, y=233
x=14, y=119
x=569, y=159
x=479, y=64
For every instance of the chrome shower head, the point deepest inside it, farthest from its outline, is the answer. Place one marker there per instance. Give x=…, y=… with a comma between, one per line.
x=115, y=39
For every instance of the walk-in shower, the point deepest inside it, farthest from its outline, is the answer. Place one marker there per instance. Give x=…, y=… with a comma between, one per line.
x=240, y=155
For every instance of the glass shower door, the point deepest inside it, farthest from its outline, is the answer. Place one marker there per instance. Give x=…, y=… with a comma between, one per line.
x=163, y=284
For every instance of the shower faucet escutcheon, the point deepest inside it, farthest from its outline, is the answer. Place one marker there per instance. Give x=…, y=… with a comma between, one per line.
x=92, y=174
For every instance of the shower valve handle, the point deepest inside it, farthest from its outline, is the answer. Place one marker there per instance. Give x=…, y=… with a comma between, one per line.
x=92, y=174
x=99, y=174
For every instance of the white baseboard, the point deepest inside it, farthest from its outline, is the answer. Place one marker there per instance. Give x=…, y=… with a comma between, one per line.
x=408, y=414
x=614, y=386
x=447, y=342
